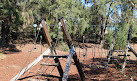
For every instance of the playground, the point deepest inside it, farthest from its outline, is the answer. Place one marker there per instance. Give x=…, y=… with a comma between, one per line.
x=68, y=40
x=13, y=62
x=90, y=61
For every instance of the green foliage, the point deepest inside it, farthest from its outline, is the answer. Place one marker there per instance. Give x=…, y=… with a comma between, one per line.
x=11, y=18
x=63, y=47
x=121, y=39
x=109, y=38
x=80, y=18
x=1, y=55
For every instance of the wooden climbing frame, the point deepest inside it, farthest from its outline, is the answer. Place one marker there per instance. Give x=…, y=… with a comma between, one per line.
x=111, y=50
x=56, y=57
x=128, y=47
x=72, y=54
x=50, y=44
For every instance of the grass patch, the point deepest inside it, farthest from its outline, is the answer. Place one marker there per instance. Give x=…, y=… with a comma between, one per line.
x=2, y=56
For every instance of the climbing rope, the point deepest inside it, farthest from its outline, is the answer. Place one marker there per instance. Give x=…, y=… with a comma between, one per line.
x=28, y=56
x=57, y=38
x=41, y=42
x=42, y=72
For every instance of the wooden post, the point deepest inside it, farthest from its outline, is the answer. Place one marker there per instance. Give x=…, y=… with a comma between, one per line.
x=49, y=41
x=111, y=50
x=128, y=47
x=132, y=51
x=65, y=32
x=72, y=54
x=47, y=35
x=129, y=38
x=124, y=62
x=69, y=60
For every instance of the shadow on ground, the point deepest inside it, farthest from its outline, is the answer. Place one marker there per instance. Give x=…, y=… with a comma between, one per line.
x=93, y=72
x=11, y=49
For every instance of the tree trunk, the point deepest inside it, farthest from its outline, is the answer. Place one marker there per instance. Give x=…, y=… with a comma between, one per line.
x=4, y=33
x=103, y=24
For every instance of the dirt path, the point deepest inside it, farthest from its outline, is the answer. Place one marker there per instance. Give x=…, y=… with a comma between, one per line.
x=13, y=63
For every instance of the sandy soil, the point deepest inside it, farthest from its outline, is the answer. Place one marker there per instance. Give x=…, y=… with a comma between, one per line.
x=92, y=65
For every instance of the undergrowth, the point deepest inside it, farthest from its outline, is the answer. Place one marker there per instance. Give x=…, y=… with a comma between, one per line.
x=1, y=55
x=62, y=47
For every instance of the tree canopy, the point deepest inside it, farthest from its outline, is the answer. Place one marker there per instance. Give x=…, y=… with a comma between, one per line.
x=97, y=18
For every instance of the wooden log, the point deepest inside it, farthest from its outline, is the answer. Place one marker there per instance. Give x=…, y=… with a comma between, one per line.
x=112, y=45
x=49, y=64
x=49, y=41
x=47, y=35
x=111, y=49
x=118, y=50
x=65, y=32
x=76, y=60
x=79, y=67
x=132, y=51
x=123, y=55
x=57, y=56
x=30, y=65
x=124, y=63
x=129, y=38
x=69, y=61
x=36, y=80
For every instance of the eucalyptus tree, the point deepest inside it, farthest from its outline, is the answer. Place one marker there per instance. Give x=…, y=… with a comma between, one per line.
x=75, y=13
x=126, y=20
x=11, y=18
x=102, y=12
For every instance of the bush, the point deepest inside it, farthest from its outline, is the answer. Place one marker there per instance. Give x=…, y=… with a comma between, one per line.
x=120, y=40
x=63, y=47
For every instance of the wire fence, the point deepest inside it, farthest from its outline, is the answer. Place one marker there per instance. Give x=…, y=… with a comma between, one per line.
x=87, y=48
x=92, y=34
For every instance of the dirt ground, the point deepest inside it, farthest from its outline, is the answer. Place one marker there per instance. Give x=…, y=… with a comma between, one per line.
x=92, y=65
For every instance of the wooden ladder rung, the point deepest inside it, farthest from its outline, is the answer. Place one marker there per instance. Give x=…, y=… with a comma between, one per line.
x=57, y=56
x=119, y=50
x=114, y=57
x=129, y=50
x=111, y=59
x=123, y=55
x=49, y=64
x=35, y=80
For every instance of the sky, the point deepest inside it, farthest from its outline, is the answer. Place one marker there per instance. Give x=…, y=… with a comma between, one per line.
x=119, y=11
x=88, y=5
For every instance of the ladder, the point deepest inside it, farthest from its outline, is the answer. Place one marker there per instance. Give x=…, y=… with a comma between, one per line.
x=69, y=57
x=128, y=48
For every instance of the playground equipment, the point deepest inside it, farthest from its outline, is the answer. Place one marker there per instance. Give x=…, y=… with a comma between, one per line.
x=110, y=56
x=72, y=54
x=56, y=58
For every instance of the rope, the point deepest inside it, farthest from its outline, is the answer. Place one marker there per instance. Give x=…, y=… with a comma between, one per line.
x=28, y=56
x=53, y=48
x=45, y=70
x=56, y=38
x=41, y=42
x=42, y=66
x=51, y=72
